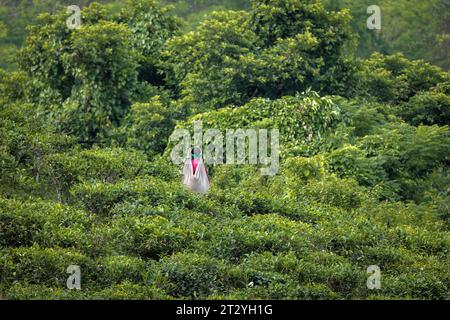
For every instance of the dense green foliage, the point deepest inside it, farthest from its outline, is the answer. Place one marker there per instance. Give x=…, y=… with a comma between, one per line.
x=235, y=56
x=417, y=28
x=85, y=176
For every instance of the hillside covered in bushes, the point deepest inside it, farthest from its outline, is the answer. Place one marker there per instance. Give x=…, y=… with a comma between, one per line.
x=86, y=178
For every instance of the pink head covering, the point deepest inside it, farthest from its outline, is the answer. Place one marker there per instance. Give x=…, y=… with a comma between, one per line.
x=195, y=162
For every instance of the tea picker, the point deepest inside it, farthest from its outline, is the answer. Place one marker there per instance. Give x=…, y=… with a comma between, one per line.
x=195, y=176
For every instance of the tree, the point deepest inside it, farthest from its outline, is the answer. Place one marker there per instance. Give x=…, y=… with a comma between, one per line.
x=394, y=78
x=151, y=25
x=278, y=48
x=147, y=127
x=87, y=78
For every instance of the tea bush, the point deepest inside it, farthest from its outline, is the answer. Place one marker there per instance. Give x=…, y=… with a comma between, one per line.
x=86, y=177
x=38, y=265
x=124, y=291
x=102, y=165
x=19, y=291
x=46, y=223
x=130, y=291
x=100, y=197
x=121, y=269
x=196, y=276
x=259, y=233
x=148, y=237
x=347, y=196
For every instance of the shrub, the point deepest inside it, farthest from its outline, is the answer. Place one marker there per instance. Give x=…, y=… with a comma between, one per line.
x=421, y=284
x=20, y=291
x=303, y=169
x=427, y=108
x=266, y=269
x=63, y=170
x=313, y=269
x=116, y=269
x=339, y=274
x=45, y=266
x=420, y=240
x=301, y=119
x=348, y=232
x=23, y=223
x=130, y=291
x=195, y=276
x=12, y=87
x=406, y=154
x=342, y=193
x=148, y=237
x=366, y=117
x=229, y=176
x=394, y=78
x=394, y=214
x=258, y=233
x=247, y=201
x=148, y=126
x=155, y=193
x=386, y=257
x=277, y=291
x=100, y=197
x=162, y=168
x=26, y=138
x=352, y=162
x=123, y=291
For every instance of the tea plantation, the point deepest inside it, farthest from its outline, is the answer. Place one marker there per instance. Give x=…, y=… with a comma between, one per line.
x=86, y=178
